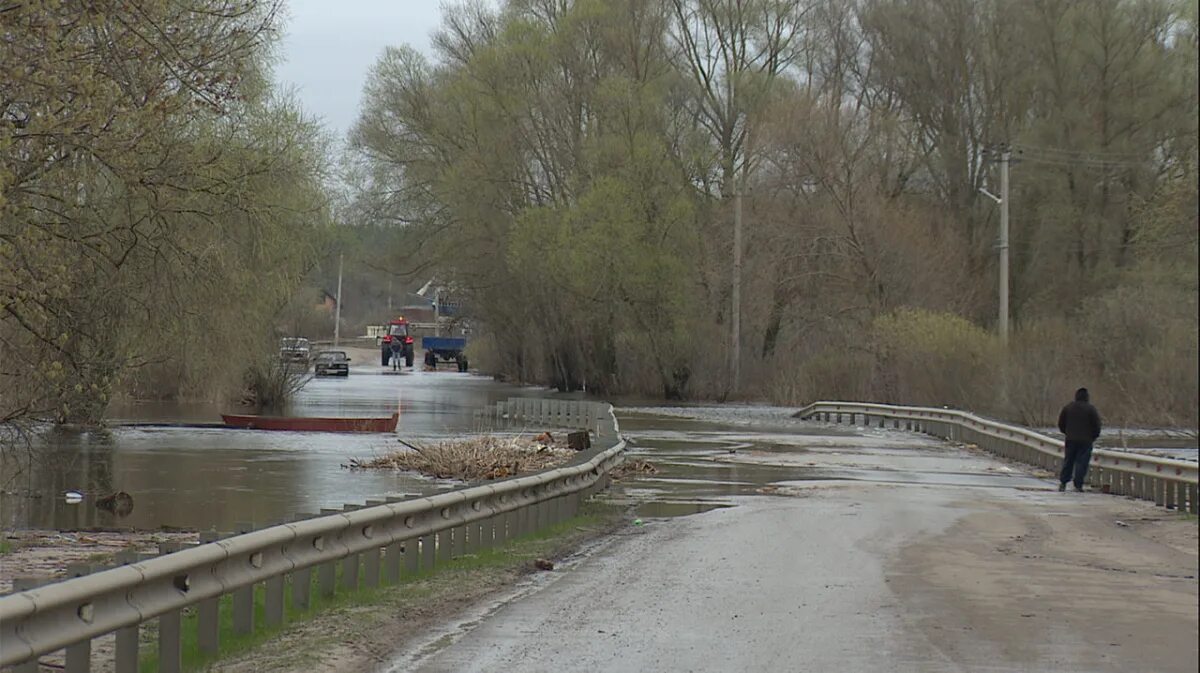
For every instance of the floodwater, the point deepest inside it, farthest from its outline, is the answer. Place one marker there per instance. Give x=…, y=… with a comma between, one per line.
x=712, y=458
x=197, y=477
x=215, y=478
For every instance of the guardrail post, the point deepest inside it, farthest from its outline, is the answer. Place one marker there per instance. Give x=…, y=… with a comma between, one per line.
x=412, y=556
x=1193, y=506
x=79, y=655
x=458, y=541
x=208, y=621
x=273, y=601
x=503, y=528
x=170, y=642
x=25, y=584
x=524, y=520
x=471, y=540
x=327, y=572
x=351, y=563
x=428, y=546
x=243, y=598
x=444, y=545
x=1170, y=497
x=487, y=532
x=372, y=560
x=392, y=558
x=125, y=657
x=1160, y=491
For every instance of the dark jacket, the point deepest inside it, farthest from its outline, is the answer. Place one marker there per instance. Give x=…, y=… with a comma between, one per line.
x=1079, y=420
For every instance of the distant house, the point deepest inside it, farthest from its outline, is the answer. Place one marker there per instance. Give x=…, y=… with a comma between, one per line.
x=327, y=302
x=417, y=309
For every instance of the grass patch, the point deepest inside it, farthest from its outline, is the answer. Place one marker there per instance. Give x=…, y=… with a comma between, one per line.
x=351, y=613
x=5, y=547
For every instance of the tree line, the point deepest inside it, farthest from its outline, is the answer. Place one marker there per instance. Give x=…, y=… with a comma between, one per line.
x=574, y=167
x=159, y=202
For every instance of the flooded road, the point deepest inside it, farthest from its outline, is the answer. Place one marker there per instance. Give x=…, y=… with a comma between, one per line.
x=705, y=463
x=206, y=477
x=806, y=546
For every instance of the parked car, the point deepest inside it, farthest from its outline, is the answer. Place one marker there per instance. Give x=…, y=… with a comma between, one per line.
x=294, y=349
x=332, y=363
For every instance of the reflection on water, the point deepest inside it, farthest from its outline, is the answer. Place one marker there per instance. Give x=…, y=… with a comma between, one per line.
x=200, y=478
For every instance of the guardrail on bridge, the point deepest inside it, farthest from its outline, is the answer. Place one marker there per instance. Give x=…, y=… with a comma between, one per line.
x=379, y=542
x=1169, y=483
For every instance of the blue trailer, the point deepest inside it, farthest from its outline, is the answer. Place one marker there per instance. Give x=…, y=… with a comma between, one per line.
x=446, y=349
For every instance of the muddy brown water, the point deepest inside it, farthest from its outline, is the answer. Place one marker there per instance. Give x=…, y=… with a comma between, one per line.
x=198, y=478
x=715, y=458
x=201, y=478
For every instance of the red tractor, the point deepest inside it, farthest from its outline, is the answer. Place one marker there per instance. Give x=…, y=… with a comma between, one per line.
x=396, y=343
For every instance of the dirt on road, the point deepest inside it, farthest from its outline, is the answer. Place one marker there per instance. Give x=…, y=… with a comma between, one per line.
x=1058, y=582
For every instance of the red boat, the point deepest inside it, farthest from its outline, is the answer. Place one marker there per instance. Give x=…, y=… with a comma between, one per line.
x=312, y=424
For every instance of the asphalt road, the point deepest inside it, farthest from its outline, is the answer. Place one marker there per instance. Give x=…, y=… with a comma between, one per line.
x=899, y=554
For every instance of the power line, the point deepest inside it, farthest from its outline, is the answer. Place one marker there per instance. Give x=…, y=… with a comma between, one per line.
x=1115, y=156
x=1077, y=158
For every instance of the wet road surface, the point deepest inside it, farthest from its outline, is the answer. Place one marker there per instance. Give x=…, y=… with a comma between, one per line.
x=821, y=548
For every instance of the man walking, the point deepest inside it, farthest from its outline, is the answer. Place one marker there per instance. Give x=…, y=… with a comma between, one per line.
x=1080, y=422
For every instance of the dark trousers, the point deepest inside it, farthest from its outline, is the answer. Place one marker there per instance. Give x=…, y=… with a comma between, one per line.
x=1075, y=462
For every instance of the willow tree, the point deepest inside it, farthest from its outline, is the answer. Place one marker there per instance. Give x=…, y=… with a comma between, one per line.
x=155, y=197
x=535, y=163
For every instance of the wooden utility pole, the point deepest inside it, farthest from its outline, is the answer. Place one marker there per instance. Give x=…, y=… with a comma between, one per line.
x=337, y=309
x=1005, y=155
x=736, y=311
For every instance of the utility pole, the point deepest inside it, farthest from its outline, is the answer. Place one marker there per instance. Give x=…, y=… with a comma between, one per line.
x=1005, y=155
x=736, y=311
x=437, y=312
x=337, y=309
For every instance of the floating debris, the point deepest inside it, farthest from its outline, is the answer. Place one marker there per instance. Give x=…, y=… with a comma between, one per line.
x=632, y=467
x=478, y=458
x=119, y=503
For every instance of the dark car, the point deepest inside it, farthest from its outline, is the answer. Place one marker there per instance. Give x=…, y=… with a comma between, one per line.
x=332, y=363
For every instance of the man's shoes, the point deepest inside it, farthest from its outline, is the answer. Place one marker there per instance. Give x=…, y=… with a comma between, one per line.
x=1079, y=489
x=1062, y=487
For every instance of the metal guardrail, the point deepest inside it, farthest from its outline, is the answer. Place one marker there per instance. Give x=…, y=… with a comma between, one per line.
x=1169, y=483
x=523, y=411
x=403, y=537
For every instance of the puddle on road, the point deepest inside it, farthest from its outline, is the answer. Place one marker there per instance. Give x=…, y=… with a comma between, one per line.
x=663, y=509
x=705, y=465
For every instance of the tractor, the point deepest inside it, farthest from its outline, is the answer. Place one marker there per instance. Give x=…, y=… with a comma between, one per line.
x=396, y=342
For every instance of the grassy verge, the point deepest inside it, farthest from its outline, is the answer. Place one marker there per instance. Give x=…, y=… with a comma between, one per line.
x=351, y=616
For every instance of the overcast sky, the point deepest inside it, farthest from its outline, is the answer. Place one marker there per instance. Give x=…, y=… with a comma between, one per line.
x=329, y=47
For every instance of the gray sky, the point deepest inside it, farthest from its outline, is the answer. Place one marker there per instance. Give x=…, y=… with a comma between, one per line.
x=329, y=47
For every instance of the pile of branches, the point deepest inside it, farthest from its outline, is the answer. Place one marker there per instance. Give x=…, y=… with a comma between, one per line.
x=475, y=459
